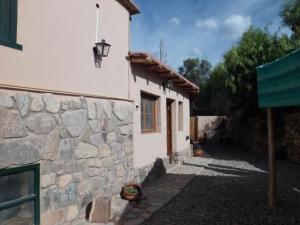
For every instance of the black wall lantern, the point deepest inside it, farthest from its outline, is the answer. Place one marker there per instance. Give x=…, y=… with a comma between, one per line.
x=168, y=84
x=102, y=48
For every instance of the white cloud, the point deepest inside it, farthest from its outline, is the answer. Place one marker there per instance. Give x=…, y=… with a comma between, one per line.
x=174, y=21
x=210, y=23
x=235, y=25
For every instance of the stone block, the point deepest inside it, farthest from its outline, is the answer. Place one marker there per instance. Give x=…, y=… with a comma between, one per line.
x=53, y=217
x=64, y=180
x=99, y=110
x=83, y=187
x=66, y=149
x=75, y=122
x=41, y=123
x=52, y=103
x=77, y=177
x=65, y=197
x=111, y=137
x=52, y=145
x=18, y=152
x=37, y=104
x=23, y=101
x=11, y=124
x=96, y=125
x=126, y=130
x=116, y=147
x=58, y=166
x=48, y=180
x=108, y=161
x=77, y=103
x=72, y=212
x=6, y=100
x=104, y=151
x=70, y=166
x=85, y=151
x=96, y=140
x=91, y=108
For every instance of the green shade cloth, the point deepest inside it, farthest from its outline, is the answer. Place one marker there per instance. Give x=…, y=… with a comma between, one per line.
x=278, y=82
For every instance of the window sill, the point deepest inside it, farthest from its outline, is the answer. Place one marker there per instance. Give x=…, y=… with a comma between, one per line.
x=149, y=132
x=11, y=45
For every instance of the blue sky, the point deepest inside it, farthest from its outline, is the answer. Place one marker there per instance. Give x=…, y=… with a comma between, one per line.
x=199, y=28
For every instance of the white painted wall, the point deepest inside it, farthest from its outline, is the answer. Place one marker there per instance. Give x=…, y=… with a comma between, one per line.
x=149, y=146
x=58, y=37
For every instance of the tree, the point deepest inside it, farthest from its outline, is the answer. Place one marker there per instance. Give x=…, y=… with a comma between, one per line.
x=290, y=13
x=197, y=71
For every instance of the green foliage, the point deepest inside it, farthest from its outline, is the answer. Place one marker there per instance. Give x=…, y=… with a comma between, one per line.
x=198, y=71
x=290, y=14
x=255, y=48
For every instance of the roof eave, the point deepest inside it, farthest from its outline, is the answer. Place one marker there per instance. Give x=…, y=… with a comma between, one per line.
x=154, y=64
x=130, y=6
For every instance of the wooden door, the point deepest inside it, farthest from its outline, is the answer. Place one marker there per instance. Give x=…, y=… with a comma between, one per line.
x=169, y=131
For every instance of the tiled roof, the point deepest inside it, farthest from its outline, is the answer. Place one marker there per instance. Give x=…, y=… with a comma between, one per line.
x=163, y=70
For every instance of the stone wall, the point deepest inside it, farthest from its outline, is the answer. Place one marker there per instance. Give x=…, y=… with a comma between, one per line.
x=291, y=136
x=252, y=134
x=84, y=147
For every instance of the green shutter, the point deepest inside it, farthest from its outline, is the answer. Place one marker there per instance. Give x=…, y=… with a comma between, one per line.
x=4, y=19
x=8, y=23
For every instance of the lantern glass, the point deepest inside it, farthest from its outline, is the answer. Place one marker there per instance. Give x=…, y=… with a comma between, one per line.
x=168, y=84
x=103, y=48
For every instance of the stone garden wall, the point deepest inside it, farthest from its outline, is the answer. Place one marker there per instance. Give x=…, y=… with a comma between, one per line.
x=253, y=134
x=84, y=147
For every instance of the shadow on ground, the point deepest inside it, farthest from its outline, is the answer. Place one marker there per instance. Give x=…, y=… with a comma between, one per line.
x=230, y=188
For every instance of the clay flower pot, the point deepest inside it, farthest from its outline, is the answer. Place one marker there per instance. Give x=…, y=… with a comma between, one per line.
x=131, y=192
x=198, y=153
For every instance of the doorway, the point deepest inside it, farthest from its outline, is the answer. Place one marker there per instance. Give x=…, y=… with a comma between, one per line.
x=169, y=130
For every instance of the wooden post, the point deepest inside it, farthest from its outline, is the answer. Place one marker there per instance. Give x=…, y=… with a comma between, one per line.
x=272, y=166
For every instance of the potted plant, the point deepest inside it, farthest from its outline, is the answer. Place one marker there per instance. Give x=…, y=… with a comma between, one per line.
x=198, y=153
x=131, y=192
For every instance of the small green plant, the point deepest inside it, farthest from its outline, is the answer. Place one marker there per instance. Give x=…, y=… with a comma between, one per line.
x=131, y=189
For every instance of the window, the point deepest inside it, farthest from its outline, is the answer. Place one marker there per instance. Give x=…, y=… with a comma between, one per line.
x=148, y=113
x=180, y=116
x=19, y=195
x=8, y=23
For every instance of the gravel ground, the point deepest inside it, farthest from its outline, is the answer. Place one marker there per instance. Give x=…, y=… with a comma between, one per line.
x=231, y=188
